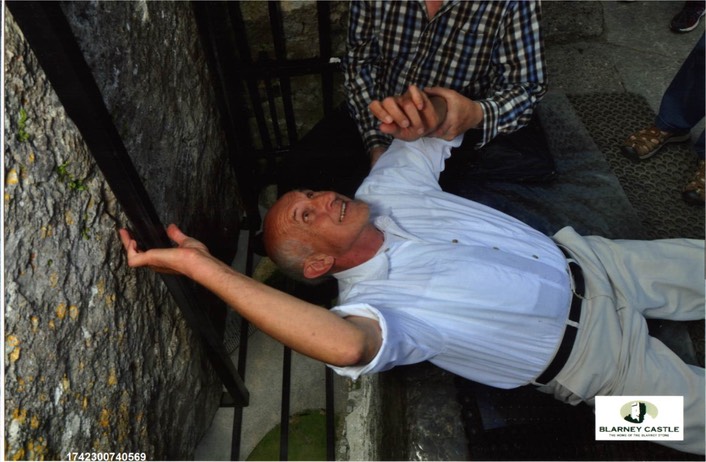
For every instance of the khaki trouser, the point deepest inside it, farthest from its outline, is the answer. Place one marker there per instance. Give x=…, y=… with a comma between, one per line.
x=613, y=354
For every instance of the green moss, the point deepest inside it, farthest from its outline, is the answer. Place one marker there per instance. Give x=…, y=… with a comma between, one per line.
x=66, y=177
x=22, y=134
x=307, y=439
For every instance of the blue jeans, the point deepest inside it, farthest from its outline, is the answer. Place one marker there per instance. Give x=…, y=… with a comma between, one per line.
x=682, y=105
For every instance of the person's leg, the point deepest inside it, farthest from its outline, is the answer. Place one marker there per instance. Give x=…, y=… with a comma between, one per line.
x=688, y=18
x=682, y=104
x=681, y=108
x=658, y=279
x=613, y=353
x=655, y=370
x=662, y=279
x=644, y=367
x=699, y=147
x=695, y=190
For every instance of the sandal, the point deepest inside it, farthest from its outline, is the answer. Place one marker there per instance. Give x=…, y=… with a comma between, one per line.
x=645, y=143
x=693, y=192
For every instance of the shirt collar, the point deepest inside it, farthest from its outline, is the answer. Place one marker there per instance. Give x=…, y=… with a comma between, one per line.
x=377, y=267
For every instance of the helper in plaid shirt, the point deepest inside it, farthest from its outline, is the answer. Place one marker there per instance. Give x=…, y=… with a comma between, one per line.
x=490, y=53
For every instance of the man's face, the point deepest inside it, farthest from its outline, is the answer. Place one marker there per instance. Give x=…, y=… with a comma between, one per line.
x=327, y=221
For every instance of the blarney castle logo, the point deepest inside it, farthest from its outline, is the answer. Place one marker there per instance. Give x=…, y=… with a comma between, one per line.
x=639, y=418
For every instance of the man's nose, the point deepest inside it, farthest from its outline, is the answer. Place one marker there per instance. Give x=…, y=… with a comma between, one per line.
x=323, y=198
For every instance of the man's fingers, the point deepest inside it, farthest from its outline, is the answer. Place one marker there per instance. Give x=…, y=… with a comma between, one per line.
x=418, y=97
x=124, y=237
x=175, y=234
x=128, y=242
x=379, y=112
x=135, y=258
x=389, y=129
x=412, y=113
x=391, y=105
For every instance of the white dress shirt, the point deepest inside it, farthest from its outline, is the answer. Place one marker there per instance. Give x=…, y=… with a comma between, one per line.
x=466, y=287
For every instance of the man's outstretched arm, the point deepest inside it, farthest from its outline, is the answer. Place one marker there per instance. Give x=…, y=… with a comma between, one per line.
x=304, y=327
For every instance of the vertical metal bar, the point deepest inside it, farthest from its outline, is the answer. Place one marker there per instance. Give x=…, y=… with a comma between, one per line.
x=46, y=29
x=284, y=418
x=264, y=61
x=323, y=11
x=330, y=417
x=277, y=24
x=214, y=30
x=243, y=48
x=236, y=436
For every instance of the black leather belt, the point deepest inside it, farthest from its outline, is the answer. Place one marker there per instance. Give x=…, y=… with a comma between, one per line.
x=567, y=343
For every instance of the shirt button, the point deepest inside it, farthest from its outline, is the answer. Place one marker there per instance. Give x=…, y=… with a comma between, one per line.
x=455, y=241
x=535, y=257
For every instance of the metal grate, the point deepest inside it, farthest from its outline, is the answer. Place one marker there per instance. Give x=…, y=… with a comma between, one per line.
x=654, y=186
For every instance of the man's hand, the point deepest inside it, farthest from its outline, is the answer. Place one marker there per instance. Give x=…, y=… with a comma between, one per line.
x=462, y=113
x=409, y=116
x=177, y=260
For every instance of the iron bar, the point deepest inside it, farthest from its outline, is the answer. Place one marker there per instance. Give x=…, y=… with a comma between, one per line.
x=216, y=32
x=241, y=60
x=272, y=104
x=323, y=15
x=286, y=393
x=277, y=24
x=330, y=416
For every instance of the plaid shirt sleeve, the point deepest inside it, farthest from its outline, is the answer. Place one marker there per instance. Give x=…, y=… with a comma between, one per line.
x=521, y=81
x=492, y=52
x=360, y=69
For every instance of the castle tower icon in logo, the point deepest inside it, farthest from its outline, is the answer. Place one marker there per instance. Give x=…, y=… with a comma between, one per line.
x=640, y=412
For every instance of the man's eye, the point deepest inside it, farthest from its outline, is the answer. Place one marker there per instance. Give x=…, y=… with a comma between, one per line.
x=310, y=194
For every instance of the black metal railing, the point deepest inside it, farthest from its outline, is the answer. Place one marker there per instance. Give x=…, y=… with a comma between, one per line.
x=238, y=80
x=261, y=88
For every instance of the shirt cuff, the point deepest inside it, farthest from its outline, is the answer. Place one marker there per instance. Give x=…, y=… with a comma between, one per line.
x=373, y=138
x=490, y=121
x=366, y=311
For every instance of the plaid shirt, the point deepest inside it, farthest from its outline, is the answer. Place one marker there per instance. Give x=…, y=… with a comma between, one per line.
x=491, y=52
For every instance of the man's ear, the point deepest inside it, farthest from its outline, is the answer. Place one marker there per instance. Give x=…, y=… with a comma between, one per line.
x=317, y=265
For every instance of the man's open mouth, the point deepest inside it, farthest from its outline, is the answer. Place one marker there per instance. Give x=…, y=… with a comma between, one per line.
x=343, y=211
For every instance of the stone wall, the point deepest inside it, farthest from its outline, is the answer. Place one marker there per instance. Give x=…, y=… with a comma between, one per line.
x=97, y=355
